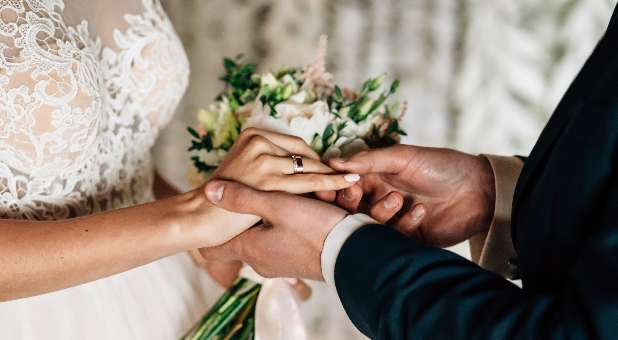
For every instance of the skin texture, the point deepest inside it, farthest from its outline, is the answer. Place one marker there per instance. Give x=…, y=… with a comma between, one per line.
x=289, y=245
x=261, y=159
x=42, y=256
x=440, y=196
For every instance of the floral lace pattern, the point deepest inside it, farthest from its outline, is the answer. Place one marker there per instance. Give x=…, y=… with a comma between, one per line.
x=78, y=119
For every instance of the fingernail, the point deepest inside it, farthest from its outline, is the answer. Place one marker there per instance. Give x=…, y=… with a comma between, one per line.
x=352, y=178
x=338, y=160
x=391, y=202
x=418, y=214
x=215, y=193
x=291, y=281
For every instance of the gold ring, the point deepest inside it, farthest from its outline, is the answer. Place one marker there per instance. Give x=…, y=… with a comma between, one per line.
x=297, y=164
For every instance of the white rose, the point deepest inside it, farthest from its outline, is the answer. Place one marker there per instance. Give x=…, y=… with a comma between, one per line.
x=307, y=127
x=268, y=123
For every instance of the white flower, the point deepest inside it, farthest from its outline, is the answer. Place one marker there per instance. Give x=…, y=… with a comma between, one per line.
x=301, y=120
x=213, y=158
x=269, y=80
x=314, y=121
x=268, y=123
x=353, y=147
x=345, y=147
x=299, y=98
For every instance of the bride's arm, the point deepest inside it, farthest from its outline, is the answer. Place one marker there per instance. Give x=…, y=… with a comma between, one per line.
x=38, y=257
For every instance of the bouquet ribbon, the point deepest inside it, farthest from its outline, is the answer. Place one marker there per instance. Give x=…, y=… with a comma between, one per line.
x=277, y=311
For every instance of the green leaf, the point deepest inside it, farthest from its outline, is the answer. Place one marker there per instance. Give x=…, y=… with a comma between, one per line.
x=328, y=133
x=193, y=132
x=394, y=87
x=372, y=84
x=377, y=104
x=207, y=142
x=338, y=93
x=202, y=166
x=229, y=64
x=273, y=111
x=316, y=143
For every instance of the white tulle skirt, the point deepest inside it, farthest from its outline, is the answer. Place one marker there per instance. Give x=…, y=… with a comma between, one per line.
x=161, y=300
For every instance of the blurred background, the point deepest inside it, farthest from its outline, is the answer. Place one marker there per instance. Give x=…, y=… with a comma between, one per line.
x=481, y=76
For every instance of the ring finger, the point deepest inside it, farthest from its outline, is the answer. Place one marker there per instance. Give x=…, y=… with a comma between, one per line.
x=285, y=165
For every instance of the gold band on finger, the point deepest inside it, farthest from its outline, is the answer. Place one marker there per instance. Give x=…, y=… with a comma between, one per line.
x=297, y=164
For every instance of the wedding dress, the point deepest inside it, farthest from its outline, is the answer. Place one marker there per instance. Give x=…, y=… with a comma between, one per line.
x=85, y=87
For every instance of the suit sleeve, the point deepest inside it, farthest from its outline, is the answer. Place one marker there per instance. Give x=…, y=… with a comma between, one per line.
x=395, y=288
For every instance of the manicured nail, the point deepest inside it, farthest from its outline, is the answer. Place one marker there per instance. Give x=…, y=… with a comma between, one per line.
x=291, y=281
x=215, y=193
x=391, y=202
x=418, y=214
x=352, y=178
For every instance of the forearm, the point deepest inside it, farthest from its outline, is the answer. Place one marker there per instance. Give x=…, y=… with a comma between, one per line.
x=38, y=257
x=401, y=289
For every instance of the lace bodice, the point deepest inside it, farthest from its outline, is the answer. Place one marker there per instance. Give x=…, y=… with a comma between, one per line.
x=85, y=88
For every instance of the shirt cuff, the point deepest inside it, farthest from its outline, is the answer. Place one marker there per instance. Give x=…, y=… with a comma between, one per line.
x=493, y=250
x=335, y=240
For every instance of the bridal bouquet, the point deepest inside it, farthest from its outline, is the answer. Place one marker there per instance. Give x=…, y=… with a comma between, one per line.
x=300, y=101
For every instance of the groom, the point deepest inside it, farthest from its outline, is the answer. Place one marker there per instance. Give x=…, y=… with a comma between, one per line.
x=550, y=219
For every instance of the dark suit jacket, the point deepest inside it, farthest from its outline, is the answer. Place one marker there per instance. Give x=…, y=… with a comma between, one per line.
x=564, y=228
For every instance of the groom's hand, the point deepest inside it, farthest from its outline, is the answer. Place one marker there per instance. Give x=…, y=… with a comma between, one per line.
x=441, y=196
x=291, y=242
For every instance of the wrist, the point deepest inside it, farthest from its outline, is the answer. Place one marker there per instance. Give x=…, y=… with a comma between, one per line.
x=183, y=217
x=198, y=223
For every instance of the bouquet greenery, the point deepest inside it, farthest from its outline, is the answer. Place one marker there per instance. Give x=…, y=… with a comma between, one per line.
x=298, y=101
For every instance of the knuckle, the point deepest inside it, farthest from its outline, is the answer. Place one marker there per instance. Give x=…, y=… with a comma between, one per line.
x=248, y=132
x=298, y=141
x=263, y=162
x=257, y=143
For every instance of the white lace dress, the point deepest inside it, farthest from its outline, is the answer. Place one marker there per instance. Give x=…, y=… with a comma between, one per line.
x=85, y=87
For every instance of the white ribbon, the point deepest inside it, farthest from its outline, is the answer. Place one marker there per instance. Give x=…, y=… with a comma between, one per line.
x=277, y=312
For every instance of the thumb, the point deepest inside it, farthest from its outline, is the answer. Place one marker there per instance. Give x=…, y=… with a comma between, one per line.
x=239, y=198
x=390, y=160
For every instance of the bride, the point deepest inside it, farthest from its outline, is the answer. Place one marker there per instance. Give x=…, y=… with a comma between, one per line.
x=85, y=87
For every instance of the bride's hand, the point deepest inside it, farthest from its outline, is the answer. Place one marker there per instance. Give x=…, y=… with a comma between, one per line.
x=263, y=160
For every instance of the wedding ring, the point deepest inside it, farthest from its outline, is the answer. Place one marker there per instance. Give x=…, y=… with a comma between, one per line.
x=297, y=164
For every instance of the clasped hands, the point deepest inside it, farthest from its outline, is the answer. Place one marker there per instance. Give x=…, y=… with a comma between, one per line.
x=439, y=196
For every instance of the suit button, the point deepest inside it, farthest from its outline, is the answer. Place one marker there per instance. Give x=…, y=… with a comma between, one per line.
x=513, y=265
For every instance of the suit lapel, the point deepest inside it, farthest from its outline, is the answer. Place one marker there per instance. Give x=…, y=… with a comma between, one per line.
x=539, y=154
x=572, y=101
